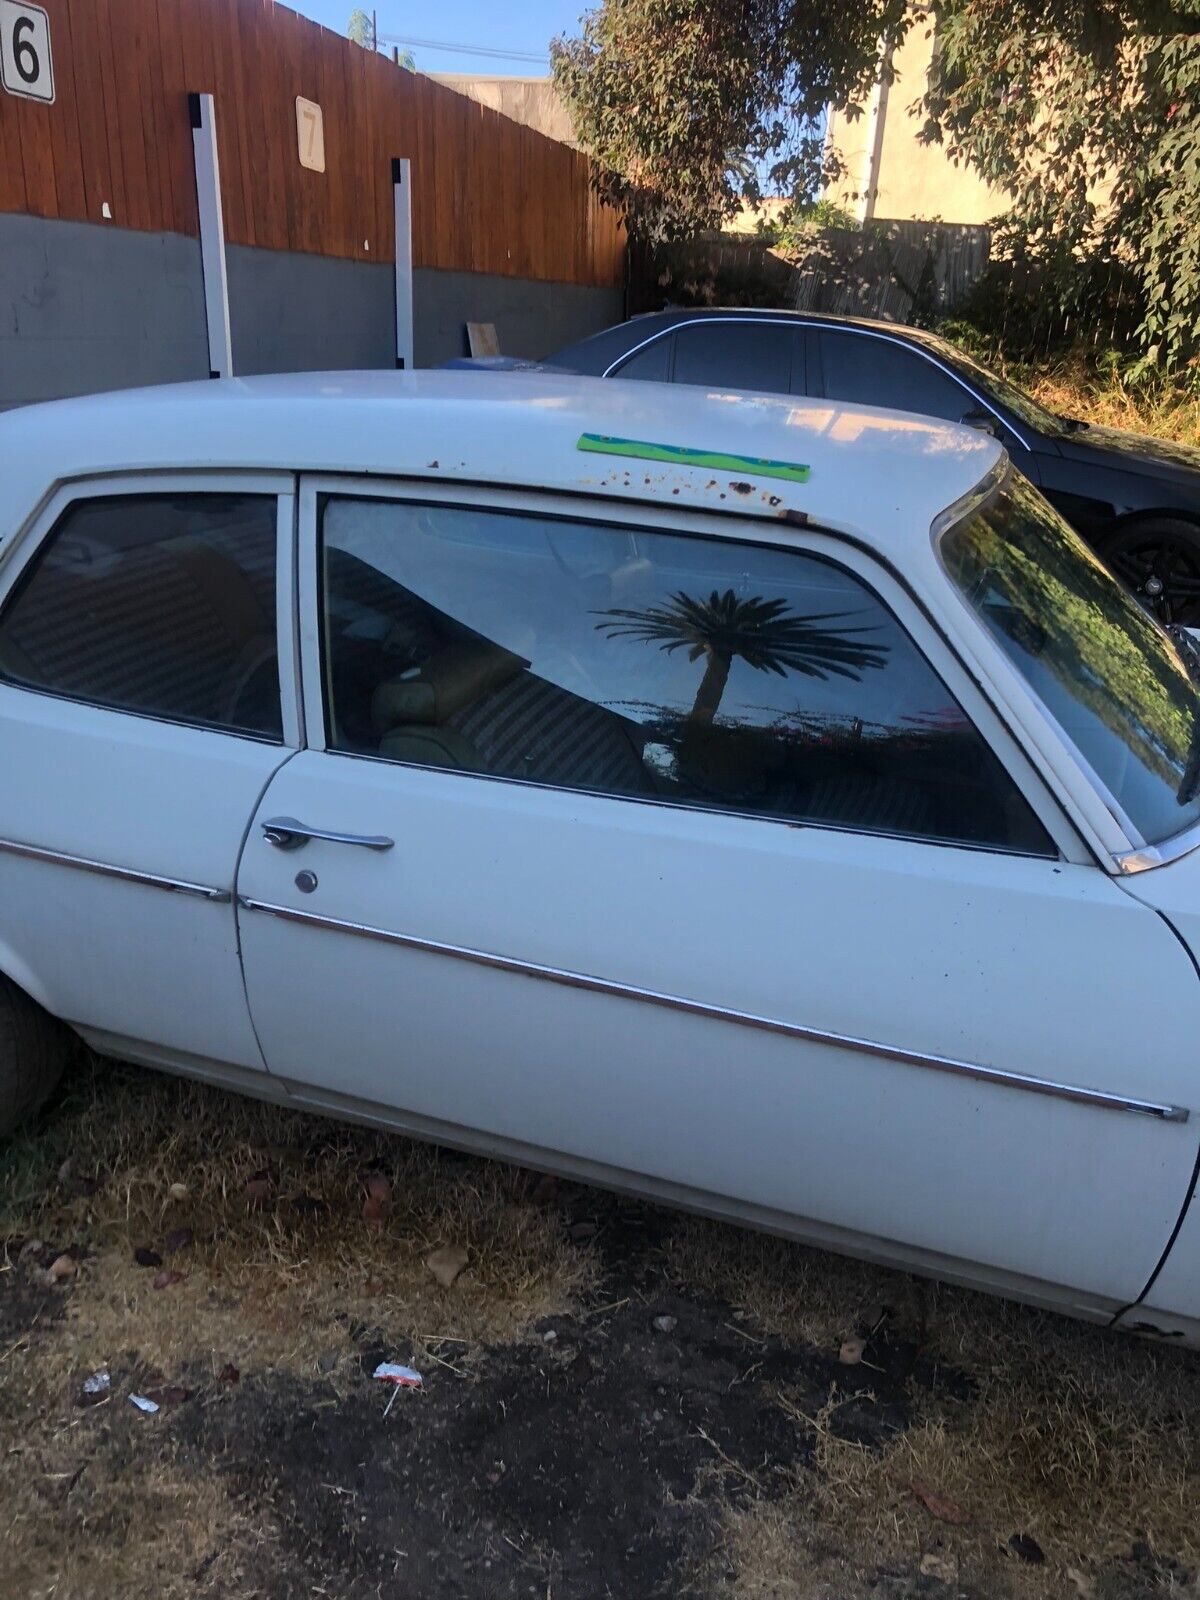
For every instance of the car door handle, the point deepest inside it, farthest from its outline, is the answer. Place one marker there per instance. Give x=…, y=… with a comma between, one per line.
x=285, y=833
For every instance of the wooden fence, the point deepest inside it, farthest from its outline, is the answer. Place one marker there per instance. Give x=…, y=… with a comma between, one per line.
x=488, y=195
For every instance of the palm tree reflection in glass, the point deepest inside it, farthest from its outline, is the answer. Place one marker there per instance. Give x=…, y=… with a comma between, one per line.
x=763, y=633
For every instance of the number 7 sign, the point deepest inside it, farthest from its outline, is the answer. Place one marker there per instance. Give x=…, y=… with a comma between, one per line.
x=25, y=64
x=310, y=133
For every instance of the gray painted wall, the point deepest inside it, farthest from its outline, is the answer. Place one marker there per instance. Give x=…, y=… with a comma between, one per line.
x=532, y=319
x=87, y=306
x=299, y=313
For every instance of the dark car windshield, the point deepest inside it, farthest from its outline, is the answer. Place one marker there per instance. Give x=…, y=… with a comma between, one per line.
x=995, y=388
x=1117, y=685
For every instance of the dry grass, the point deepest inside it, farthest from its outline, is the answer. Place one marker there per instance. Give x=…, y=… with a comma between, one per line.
x=1086, y=1441
x=1072, y=1435
x=284, y=1287
x=1096, y=386
x=1103, y=394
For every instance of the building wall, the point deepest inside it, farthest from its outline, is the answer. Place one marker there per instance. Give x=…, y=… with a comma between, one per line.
x=917, y=182
x=86, y=306
x=531, y=101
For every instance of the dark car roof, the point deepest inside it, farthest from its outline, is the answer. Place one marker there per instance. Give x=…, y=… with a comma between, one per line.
x=597, y=353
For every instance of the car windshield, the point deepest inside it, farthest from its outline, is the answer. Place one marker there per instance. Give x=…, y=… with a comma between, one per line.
x=1120, y=687
x=995, y=388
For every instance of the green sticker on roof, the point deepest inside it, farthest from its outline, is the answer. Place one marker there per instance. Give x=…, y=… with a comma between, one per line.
x=681, y=456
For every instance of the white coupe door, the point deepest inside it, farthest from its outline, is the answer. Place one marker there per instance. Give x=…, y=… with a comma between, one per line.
x=140, y=720
x=673, y=857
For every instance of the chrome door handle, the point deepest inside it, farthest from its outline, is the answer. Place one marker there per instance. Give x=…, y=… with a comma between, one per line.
x=285, y=833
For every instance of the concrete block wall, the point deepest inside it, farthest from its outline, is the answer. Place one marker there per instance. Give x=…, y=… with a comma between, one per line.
x=85, y=307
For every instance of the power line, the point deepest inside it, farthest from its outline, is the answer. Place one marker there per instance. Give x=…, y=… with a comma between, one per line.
x=463, y=49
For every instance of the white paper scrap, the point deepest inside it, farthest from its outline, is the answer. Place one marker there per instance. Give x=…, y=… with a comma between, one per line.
x=402, y=1377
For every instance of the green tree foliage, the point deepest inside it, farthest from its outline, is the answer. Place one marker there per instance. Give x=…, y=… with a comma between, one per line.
x=359, y=29
x=685, y=102
x=1085, y=112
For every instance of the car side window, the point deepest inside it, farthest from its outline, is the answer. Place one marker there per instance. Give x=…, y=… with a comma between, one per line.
x=649, y=665
x=651, y=362
x=735, y=355
x=161, y=604
x=870, y=371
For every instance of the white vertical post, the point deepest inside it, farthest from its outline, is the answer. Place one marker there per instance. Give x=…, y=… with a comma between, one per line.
x=212, y=235
x=876, y=126
x=402, y=193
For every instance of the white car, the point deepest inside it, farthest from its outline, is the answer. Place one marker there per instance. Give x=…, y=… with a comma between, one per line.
x=763, y=805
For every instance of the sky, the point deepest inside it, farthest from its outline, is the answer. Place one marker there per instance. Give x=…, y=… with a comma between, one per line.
x=483, y=24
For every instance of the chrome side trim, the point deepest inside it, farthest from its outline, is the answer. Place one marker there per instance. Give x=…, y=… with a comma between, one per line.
x=746, y=1019
x=612, y=370
x=1128, y=862
x=104, y=869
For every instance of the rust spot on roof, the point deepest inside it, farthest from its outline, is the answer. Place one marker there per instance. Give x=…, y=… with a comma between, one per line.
x=739, y=486
x=798, y=519
x=431, y=463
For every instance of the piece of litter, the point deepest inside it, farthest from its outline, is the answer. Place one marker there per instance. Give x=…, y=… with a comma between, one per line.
x=851, y=1352
x=402, y=1377
x=666, y=1324
x=94, y=1390
x=143, y=1404
x=178, y=1191
x=549, y=1337
x=61, y=1268
x=447, y=1263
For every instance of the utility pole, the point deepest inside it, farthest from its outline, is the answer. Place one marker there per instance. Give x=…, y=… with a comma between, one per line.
x=374, y=32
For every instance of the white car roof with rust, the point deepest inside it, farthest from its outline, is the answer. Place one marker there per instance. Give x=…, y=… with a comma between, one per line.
x=879, y=474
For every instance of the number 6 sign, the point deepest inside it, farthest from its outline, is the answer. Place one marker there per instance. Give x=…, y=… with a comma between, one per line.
x=25, y=64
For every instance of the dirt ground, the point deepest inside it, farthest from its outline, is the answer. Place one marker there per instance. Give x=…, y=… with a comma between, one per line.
x=617, y=1400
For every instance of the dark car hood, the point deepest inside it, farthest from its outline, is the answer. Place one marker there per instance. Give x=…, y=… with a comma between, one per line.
x=1133, y=452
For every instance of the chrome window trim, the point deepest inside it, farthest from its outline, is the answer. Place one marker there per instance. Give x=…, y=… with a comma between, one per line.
x=105, y=869
x=833, y=327
x=701, y=322
x=1144, y=857
x=1100, y=1098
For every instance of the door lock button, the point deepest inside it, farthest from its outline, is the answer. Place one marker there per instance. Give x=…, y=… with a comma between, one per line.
x=306, y=881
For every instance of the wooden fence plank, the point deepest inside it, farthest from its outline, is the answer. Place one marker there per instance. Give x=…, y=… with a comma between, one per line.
x=489, y=195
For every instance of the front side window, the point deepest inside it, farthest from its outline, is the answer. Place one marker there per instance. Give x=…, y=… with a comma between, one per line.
x=870, y=371
x=648, y=665
x=161, y=604
x=1117, y=685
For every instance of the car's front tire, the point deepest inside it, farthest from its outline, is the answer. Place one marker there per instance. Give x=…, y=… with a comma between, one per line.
x=1158, y=559
x=33, y=1052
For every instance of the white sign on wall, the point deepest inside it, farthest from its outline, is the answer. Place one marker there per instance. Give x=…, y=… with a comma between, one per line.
x=310, y=131
x=25, y=64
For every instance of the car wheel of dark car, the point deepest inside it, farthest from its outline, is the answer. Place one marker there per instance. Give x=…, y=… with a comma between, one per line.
x=1159, y=561
x=33, y=1051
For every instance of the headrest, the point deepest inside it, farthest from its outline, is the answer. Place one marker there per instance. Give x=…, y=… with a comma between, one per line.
x=456, y=677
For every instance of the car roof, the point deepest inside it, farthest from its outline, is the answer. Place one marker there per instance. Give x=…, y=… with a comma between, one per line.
x=871, y=472
x=599, y=350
